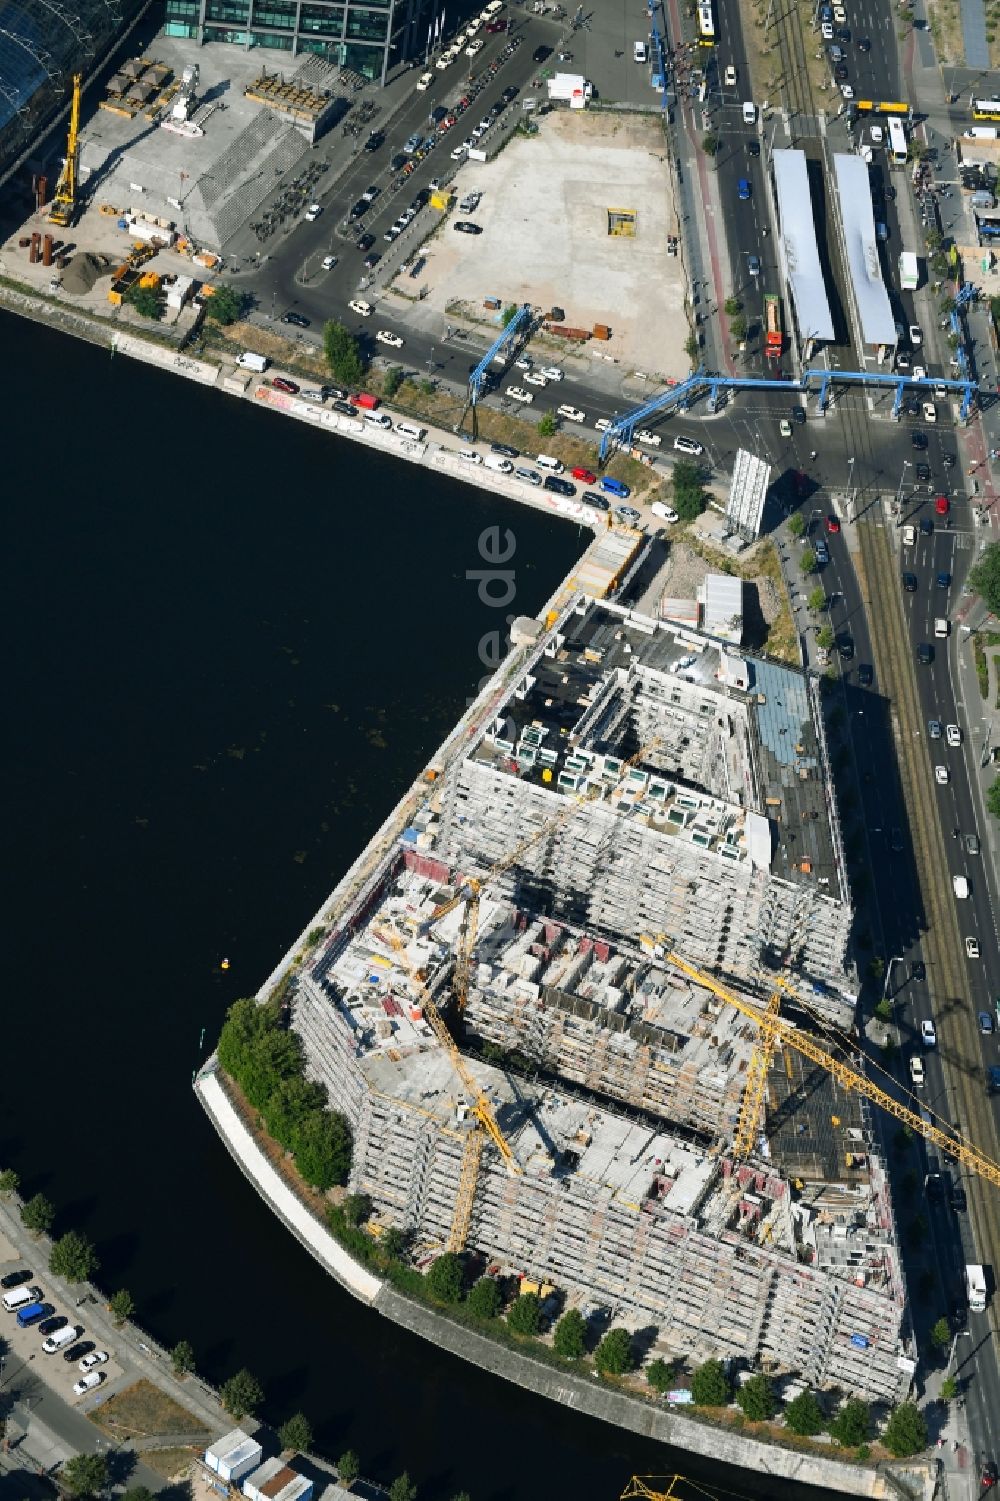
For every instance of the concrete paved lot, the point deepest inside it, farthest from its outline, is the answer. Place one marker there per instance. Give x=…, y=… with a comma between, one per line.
x=545, y=240
x=24, y=1346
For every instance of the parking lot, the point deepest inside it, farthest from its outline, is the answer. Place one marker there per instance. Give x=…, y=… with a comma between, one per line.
x=544, y=216
x=25, y=1345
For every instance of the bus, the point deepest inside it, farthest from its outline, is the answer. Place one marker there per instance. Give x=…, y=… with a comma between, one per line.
x=881, y=107
x=774, y=337
x=896, y=145
x=986, y=109
x=706, y=25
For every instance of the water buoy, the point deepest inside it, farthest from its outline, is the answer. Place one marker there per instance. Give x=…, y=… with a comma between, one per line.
x=225, y=964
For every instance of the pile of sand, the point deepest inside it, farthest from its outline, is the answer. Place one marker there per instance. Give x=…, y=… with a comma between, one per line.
x=83, y=272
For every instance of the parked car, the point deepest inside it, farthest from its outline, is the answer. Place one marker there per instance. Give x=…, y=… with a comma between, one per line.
x=584, y=475
x=82, y=1347
x=15, y=1279
x=466, y=227
x=98, y=1357
x=87, y=1383
x=665, y=512
x=296, y=319
x=571, y=414
x=517, y=393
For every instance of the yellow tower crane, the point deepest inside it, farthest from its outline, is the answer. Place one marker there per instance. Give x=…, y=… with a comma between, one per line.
x=638, y=1487
x=63, y=208
x=847, y=1076
x=479, y=1106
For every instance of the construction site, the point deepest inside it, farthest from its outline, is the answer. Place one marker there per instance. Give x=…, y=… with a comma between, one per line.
x=588, y=1018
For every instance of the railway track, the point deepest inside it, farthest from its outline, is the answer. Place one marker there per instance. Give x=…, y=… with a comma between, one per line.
x=958, y=1037
x=797, y=91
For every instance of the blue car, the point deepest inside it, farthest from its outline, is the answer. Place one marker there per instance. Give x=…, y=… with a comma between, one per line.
x=615, y=487
x=743, y=188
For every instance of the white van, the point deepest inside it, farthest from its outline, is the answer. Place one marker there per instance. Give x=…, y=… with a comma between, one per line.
x=981, y=133
x=62, y=1337
x=248, y=361
x=409, y=430
x=749, y=112
x=469, y=455
x=942, y=627
x=20, y=1297
x=498, y=463
x=960, y=886
x=546, y=461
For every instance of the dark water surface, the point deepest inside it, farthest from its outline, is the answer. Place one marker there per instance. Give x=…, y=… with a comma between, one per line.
x=231, y=643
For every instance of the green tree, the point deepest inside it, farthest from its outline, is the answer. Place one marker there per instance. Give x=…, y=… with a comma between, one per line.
x=444, y=1280
x=122, y=1305
x=949, y=1389
x=296, y=1433
x=394, y=378
x=322, y=1147
x=484, y=1299
x=402, y=1489
x=292, y=1102
x=993, y=797
x=688, y=490
x=147, y=301
x=357, y=1208
x=570, y=1338
x=732, y=306
x=509, y=313
x=804, y=1414
x=660, y=1375
x=38, y=1214
x=9, y=1181
x=807, y=561
x=984, y=578
x=546, y=425
x=242, y=1394
x=906, y=1432
x=525, y=1315
x=182, y=1358
x=851, y=1423
x=393, y=1243
x=138, y=1493
x=613, y=1356
x=225, y=305
x=796, y=524
x=85, y=1474
x=824, y=638
x=73, y=1257
x=348, y=1467
x=710, y=1385
x=691, y=347
x=817, y=600
x=941, y=1334
x=757, y=1399
x=738, y=327
x=343, y=354
x=710, y=144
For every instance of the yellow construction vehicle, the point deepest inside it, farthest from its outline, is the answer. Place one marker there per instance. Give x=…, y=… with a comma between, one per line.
x=778, y=1030
x=64, y=205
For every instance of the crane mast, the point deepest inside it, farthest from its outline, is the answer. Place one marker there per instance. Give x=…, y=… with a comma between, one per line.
x=64, y=205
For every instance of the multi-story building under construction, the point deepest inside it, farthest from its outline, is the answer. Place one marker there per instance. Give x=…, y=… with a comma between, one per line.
x=661, y=795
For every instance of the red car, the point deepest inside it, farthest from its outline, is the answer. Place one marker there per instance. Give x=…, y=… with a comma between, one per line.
x=280, y=384
x=833, y=525
x=941, y=504
x=584, y=475
x=494, y=26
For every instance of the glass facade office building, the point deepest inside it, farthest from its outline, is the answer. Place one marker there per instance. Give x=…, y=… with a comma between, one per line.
x=42, y=43
x=370, y=36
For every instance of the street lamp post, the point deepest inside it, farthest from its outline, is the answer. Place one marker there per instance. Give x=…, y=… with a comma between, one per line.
x=896, y=959
x=850, y=490
x=951, y=1355
x=899, y=490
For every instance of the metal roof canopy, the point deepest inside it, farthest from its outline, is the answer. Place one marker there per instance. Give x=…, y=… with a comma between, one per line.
x=747, y=493
x=797, y=246
x=878, y=326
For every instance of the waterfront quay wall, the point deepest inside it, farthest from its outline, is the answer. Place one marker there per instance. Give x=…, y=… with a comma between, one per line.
x=583, y=1394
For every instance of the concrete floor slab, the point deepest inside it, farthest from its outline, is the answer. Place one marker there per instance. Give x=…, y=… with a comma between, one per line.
x=544, y=214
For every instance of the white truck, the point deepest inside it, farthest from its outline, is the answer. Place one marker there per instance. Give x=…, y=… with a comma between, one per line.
x=250, y=361
x=975, y=1287
x=909, y=271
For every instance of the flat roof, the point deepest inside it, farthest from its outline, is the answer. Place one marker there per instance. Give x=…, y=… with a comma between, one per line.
x=797, y=245
x=871, y=299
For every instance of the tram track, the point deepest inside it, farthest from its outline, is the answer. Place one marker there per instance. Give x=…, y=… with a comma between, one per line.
x=798, y=91
x=877, y=570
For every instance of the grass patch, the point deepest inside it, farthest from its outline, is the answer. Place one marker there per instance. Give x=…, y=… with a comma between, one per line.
x=781, y=641
x=982, y=666
x=172, y=1464
x=945, y=20
x=143, y=1411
